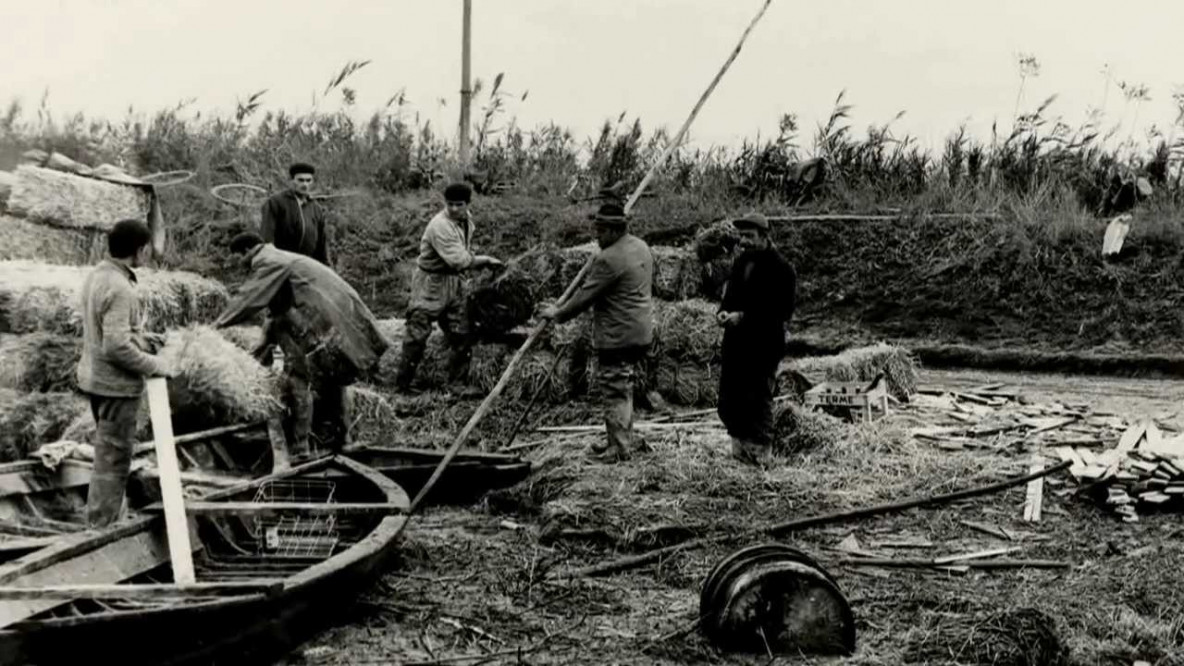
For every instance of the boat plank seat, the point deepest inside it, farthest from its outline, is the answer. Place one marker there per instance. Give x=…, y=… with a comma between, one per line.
x=142, y=591
x=208, y=508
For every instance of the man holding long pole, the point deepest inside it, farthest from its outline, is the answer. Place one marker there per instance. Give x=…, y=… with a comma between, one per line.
x=618, y=289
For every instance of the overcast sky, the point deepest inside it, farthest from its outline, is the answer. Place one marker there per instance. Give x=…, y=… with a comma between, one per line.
x=944, y=62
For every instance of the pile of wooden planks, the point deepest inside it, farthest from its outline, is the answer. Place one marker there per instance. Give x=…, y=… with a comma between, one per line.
x=1144, y=471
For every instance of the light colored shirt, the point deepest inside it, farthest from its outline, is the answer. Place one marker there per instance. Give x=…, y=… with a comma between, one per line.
x=113, y=364
x=445, y=246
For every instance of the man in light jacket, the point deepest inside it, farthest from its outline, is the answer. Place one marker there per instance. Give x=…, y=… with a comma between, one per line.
x=114, y=363
x=437, y=291
x=618, y=288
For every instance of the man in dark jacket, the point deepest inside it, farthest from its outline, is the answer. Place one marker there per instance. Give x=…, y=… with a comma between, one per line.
x=115, y=361
x=328, y=335
x=618, y=289
x=293, y=221
x=758, y=302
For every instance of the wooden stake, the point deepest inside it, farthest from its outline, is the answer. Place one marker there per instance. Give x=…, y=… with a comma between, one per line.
x=1035, y=498
x=176, y=524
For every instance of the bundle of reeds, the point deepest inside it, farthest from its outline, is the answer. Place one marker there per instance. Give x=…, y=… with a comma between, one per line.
x=39, y=362
x=687, y=331
x=40, y=242
x=69, y=200
x=863, y=364
x=797, y=430
x=217, y=383
x=1019, y=637
x=686, y=384
x=244, y=337
x=715, y=247
x=37, y=296
x=498, y=305
x=677, y=273
x=28, y=420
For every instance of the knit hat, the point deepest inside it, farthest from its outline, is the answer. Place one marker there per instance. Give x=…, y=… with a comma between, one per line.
x=299, y=168
x=752, y=221
x=458, y=192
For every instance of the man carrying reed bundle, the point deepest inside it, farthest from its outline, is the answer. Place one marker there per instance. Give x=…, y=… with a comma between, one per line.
x=115, y=360
x=758, y=302
x=293, y=221
x=328, y=335
x=618, y=289
x=438, y=291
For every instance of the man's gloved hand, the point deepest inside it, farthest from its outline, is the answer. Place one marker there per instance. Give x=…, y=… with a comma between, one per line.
x=265, y=354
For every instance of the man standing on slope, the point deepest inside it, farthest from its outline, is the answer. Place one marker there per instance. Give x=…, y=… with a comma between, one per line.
x=113, y=365
x=758, y=302
x=437, y=291
x=328, y=335
x=618, y=289
x=293, y=221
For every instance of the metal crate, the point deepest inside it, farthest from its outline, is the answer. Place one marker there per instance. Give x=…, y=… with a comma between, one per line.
x=297, y=536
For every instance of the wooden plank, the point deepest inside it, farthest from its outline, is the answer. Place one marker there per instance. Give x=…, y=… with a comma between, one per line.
x=1089, y=458
x=16, y=547
x=992, y=530
x=279, y=445
x=176, y=524
x=145, y=591
x=1066, y=453
x=147, y=447
x=1035, y=498
x=1154, y=437
x=315, y=508
x=980, y=555
x=1131, y=437
x=1052, y=426
x=109, y=563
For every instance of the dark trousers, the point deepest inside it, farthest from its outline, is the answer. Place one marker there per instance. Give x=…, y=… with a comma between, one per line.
x=747, y=383
x=314, y=397
x=616, y=369
x=115, y=440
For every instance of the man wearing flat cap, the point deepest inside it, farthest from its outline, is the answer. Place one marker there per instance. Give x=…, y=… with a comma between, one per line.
x=618, y=290
x=758, y=302
x=293, y=221
x=438, y=291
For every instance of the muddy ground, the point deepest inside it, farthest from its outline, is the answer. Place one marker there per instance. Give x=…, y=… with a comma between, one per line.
x=483, y=584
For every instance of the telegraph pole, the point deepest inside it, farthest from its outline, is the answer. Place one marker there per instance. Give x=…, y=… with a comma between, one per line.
x=466, y=90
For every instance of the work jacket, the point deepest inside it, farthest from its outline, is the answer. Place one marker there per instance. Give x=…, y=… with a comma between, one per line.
x=113, y=362
x=763, y=288
x=322, y=307
x=618, y=289
x=296, y=225
x=446, y=246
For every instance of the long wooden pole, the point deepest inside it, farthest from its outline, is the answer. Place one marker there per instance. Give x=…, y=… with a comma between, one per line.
x=466, y=89
x=483, y=409
x=674, y=143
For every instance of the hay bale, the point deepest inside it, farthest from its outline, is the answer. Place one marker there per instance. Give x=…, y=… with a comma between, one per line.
x=549, y=270
x=677, y=273
x=69, y=200
x=1020, y=637
x=244, y=337
x=28, y=420
x=687, y=331
x=687, y=384
x=39, y=362
x=863, y=364
x=39, y=242
x=715, y=247
x=797, y=430
x=45, y=297
x=217, y=383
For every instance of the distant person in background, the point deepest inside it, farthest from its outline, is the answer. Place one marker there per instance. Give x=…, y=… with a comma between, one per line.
x=758, y=302
x=618, y=288
x=115, y=361
x=438, y=291
x=293, y=221
x=328, y=335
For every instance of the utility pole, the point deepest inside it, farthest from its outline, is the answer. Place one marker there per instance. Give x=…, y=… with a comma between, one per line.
x=466, y=90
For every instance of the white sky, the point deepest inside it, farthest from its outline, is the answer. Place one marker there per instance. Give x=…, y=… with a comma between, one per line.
x=942, y=61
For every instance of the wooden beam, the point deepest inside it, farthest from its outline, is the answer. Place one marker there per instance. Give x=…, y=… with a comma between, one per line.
x=176, y=524
x=1034, y=501
x=145, y=591
x=15, y=547
x=147, y=447
x=973, y=564
x=318, y=508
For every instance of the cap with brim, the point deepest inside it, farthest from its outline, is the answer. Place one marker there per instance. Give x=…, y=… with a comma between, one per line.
x=609, y=214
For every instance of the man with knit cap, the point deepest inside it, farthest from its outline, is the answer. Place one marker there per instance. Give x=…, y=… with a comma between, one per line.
x=758, y=302
x=438, y=291
x=618, y=290
x=293, y=221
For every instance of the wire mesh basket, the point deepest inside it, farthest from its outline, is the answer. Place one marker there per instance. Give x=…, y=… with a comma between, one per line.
x=297, y=536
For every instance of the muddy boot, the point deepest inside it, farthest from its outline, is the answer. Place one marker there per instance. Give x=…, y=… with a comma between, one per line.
x=607, y=454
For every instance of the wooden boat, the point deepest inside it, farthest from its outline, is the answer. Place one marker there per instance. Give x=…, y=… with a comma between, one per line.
x=38, y=504
x=272, y=557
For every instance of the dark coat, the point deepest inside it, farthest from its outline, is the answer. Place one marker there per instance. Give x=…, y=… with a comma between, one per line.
x=295, y=225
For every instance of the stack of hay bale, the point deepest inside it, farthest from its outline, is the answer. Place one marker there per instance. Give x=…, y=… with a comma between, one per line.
x=54, y=216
